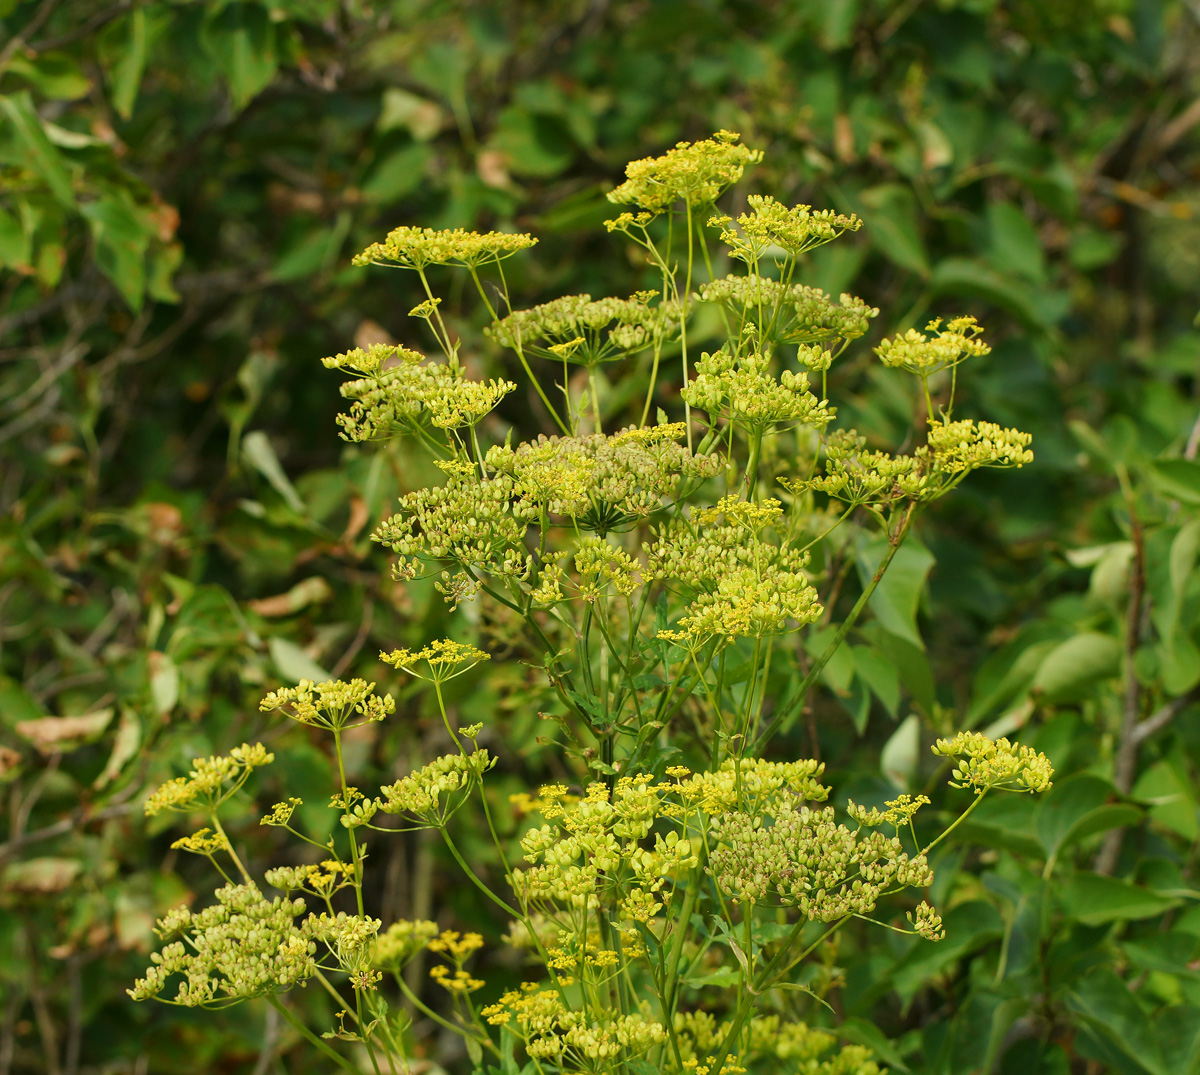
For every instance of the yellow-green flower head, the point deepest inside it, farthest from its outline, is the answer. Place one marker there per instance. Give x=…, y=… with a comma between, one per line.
x=320, y=879
x=793, y=313
x=241, y=947
x=397, y=392
x=771, y=226
x=334, y=704
x=926, y=355
x=210, y=782
x=981, y=764
x=440, y=657
x=858, y=476
x=804, y=859
x=958, y=447
x=401, y=941
x=201, y=843
x=418, y=248
x=578, y=329
x=693, y=172
x=741, y=389
x=430, y=794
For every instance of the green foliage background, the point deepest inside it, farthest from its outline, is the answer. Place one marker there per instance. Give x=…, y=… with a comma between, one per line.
x=181, y=188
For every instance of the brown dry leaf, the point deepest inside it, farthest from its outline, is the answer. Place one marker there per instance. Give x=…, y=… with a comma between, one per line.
x=311, y=591
x=41, y=875
x=9, y=760
x=52, y=735
x=166, y=522
x=358, y=519
x=492, y=167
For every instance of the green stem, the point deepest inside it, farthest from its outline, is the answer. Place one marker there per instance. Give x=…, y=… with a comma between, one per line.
x=512, y=912
x=355, y=856
x=229, y=847
x=304, y=1032
x=797, y=700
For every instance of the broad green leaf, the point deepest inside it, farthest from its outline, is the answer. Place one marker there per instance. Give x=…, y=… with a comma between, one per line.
x=121, y=235
x=53, y=74
x=125, y=75
x=879, y=674
x=1096, y=900
x=1122, y=1033
x=895, y=599
x=839, y=669
x=164, y=682
x=257, y=449
x=1178, y=479
x=900, y=758
x=894, y=226
x=1076, y=808
x=397, y=174
x=15, y=247
x=1171, y=798
x=43, y=158
x=420, y=116
x=1013, y=243
x=241, y=40
x=124, y=748
x=910, y=662
x=860, y=1031
x=971, y=278
x=1075, y=666
x=293, y=664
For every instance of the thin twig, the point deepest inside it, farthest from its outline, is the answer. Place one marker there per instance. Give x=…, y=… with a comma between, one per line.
x=1162, y=717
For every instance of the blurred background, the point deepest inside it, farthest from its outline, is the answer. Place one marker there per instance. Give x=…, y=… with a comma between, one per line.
x=182, y=186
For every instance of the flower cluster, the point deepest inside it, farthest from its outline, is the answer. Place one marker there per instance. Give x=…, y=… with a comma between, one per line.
x=552, y=1031
x=898, y=812
x=420, y=793
x=401, y=941
x=444, y=659
x=693, y=172
x=457, y=948
x=578, y=329
x=397, y=390
x=604, y=483
x=857, y=475
x=240, y=947
x=417, y=248
x=210, y=782
x=322, y=879
x=770, y=1038
x=925, y=355
x=351, y=941
x=959, y=447
x=793, y=313
x=333, y=705
x=982, y=764
x=771, y=226
x=740, y=389
x=745, y=585
x=805, y=859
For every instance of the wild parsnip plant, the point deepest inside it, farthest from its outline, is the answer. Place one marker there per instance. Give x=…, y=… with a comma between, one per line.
x=659, y=569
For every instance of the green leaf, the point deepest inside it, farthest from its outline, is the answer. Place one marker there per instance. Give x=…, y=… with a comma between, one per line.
x=164, y=682
x=121, y=235
x=397, y=174
x=860, y=1031
x=901, y=755
x=53, y=74
x=125, y=747
x=125, y=75
x=1096, y=900
x=15, y=245
x=241, y=39
x=1171, y=798
x=880, y=674
x=839, y=669
x=895, y=599
x=1072, y=668
x=1178, y=479
x=257, y=449
x=293, y=664
x=968, y=277
x=893, y=224
x=42, y=157
x=1076, y=808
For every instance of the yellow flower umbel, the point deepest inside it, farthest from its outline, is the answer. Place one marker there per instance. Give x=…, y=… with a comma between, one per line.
x=443, y=660
x=210, y=782
x=418, y=248
x=334, y=705
x=693, y=172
